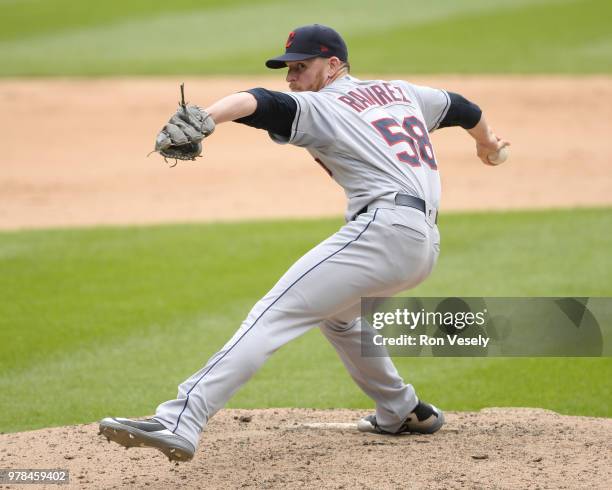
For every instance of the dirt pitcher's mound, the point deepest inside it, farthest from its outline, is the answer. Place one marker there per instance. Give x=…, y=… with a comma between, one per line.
x=297, y=448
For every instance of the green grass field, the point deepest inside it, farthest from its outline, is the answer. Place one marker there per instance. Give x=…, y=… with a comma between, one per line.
x=108, y=320
x=66, y=37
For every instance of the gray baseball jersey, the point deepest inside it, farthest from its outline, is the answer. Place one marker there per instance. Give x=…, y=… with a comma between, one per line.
x=372, y=137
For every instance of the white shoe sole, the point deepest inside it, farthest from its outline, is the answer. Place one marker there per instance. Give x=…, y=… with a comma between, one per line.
x=174, y=447
x=366, y=426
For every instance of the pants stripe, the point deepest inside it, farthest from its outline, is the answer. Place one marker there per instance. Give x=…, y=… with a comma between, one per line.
x=262, y=314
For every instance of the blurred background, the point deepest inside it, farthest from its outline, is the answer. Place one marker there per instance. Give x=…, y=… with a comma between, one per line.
x=63, y=37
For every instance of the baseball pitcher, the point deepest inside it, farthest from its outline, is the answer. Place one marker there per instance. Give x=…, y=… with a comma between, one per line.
x=372, y=138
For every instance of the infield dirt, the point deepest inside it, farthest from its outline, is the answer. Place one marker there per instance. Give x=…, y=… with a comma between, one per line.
x=493, y=448
x=75, y=153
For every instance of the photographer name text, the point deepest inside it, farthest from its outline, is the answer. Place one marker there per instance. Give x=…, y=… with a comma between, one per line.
x=425, y=340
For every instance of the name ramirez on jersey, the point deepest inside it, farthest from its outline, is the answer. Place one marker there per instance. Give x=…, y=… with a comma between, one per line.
x=374, y=95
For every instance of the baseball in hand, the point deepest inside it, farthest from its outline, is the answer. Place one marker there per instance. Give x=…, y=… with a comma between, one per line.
x=497, y=157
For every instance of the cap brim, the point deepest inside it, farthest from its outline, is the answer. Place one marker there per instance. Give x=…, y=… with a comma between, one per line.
x=281, y=61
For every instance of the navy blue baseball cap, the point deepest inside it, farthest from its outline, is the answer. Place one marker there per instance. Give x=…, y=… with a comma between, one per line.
x=311, y=41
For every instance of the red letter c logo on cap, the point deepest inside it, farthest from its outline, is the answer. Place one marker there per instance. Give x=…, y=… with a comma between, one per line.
x=290, y=39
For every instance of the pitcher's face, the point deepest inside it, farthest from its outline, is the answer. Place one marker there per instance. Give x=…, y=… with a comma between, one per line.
x=308, y=75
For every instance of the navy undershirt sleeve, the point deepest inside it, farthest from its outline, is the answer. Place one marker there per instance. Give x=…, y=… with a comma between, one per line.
x=275, y=112
x=461, y=112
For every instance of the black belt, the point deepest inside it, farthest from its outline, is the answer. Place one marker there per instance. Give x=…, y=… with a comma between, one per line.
x=405, y=200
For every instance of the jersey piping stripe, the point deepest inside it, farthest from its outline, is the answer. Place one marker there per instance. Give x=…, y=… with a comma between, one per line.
x=264, y=312
x=443, y=113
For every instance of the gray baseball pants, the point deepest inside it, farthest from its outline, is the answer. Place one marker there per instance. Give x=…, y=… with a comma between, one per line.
x=383, y=251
